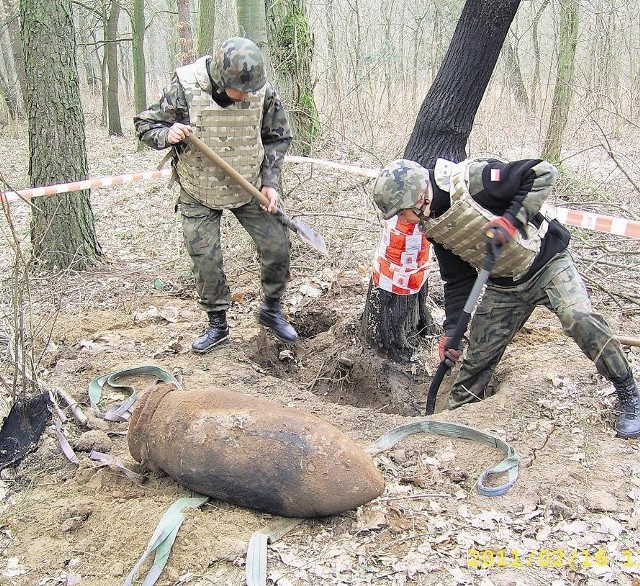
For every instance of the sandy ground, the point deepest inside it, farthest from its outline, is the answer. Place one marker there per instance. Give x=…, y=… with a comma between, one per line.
x=571, y=517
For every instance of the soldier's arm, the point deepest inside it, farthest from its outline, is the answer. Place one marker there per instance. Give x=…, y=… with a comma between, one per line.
x=523, y=185
x=458, y=277
x=276, y=137
x=152, y=125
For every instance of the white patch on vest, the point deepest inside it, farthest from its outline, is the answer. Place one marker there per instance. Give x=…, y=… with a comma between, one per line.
x=495, y=174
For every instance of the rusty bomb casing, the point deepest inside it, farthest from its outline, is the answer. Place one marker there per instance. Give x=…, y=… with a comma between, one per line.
x=251, y=452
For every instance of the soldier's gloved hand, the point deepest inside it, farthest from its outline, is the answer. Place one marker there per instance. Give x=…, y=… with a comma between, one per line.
x=503, y=230
x=447, y=354
x=178, y=132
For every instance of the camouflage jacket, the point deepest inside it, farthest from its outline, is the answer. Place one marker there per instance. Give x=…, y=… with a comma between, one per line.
x=152, y=126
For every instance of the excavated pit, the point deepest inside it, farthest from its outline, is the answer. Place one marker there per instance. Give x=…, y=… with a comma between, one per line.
x=330, y=361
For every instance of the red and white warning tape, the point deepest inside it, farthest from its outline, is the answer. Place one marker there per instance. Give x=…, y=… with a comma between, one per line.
x=597, y=222
x=11, y=196
x=569, y=217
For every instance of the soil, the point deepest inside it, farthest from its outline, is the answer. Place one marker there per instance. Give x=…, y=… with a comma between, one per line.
x=571, y=517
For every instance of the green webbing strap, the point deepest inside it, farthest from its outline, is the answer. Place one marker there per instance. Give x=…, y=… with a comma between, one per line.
x=163, y=538
x=256, y=563
x=121, y=412
x=508, y=466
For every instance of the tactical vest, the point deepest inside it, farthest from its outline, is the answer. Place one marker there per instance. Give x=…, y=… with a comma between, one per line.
x=459, y=229
x=233, y=132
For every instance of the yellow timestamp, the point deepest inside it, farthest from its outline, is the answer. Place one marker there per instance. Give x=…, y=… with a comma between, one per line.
x=542, y=558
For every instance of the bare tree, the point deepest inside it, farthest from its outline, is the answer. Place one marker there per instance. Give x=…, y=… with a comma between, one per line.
x=139, y=65
x=513, y=73
x=291, y=56
x=111, y=56
x=535, y=84
x=187, y=52
x=206, y=26
x=13, y=32
x=252, y=23
x=563, y=91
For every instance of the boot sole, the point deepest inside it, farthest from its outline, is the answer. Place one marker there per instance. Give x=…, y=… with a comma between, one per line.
x=209, y=348
x=628, y=436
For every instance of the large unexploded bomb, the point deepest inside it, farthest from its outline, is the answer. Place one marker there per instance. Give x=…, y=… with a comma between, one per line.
x=251, y=452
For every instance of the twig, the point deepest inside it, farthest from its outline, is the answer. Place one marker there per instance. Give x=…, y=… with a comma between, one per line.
x=81, y=418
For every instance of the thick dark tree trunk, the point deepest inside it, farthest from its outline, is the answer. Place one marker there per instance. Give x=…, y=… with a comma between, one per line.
x=449, y=109
x=63, y=232
x=393, y=324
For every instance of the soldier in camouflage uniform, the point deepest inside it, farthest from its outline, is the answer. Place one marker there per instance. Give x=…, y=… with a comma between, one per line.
x=226, y=101
x=455, y=205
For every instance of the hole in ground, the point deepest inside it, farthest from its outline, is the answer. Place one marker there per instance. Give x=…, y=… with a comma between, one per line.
x=341, y=372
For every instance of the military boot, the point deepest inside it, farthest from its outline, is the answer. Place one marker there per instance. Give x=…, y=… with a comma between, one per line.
x=217, y=332
x=271, y=317
x=628, y=422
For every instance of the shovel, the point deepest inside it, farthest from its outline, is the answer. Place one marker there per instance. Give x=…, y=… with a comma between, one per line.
x=493, y=252
x=306, y=233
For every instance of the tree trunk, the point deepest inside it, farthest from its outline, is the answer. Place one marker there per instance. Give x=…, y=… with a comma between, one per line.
x=535, y=84
x=8, y=98
x=604, y=78
x=393, y=324
x=86, y=54
x=436, y=40
x=206, y=27
x=104, y=85
x=13, y=29
x=62, y=227
x=252, y=23
x=111, y=55
x=139, y=65
x=442, y=128
x=187, y=52
x=449, y=109
x=9, y=73
x=563, y=91
x=292, y=54
x=514, y=74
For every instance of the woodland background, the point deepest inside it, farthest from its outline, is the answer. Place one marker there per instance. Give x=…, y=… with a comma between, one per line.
x=353, y=75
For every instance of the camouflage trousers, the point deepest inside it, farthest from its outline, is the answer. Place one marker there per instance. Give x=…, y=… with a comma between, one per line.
x=201, y=228
x=502, y=311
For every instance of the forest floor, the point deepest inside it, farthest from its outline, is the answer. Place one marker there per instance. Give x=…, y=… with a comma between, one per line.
x=572, y=516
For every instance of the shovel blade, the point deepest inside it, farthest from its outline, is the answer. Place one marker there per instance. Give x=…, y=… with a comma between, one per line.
x=311, y=237
x=306, y=233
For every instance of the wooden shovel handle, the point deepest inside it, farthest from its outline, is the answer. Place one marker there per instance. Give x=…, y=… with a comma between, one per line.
x=627, y=341
x=219, y=162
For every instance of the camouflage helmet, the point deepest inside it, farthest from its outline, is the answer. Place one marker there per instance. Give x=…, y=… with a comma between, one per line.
x=239, y=65
x=399, y=186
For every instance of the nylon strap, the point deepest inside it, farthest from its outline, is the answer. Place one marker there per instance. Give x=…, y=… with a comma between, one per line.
x=122, y=412
x=163, y=538
x=508, y=466
x=256, y=566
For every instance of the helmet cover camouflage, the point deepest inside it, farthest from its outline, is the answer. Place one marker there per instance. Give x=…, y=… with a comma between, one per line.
x=399, y=186
x=239, y=65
